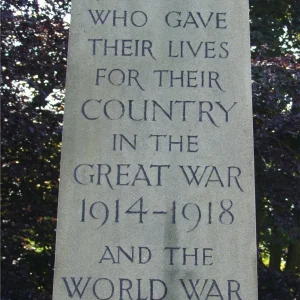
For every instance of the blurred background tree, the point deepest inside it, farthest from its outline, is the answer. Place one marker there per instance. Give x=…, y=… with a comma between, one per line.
x=34, y=48
x=275, y=40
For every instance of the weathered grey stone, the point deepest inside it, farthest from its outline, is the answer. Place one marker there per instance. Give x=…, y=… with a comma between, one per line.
x=132, y=221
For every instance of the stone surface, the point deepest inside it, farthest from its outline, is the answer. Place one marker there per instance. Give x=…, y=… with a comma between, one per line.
x=157, y=91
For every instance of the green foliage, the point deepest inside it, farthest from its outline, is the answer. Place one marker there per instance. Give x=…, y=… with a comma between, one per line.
x=33, y=67
x=34, y=46
x=275, y=26
x=276, y=108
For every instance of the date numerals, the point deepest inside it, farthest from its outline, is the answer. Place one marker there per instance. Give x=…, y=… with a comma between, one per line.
x=190, y=213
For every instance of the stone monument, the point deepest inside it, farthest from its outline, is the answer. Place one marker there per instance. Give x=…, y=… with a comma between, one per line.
x=157, y=181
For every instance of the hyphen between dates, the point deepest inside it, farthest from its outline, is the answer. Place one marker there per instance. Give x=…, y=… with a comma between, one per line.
x=105, y=288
